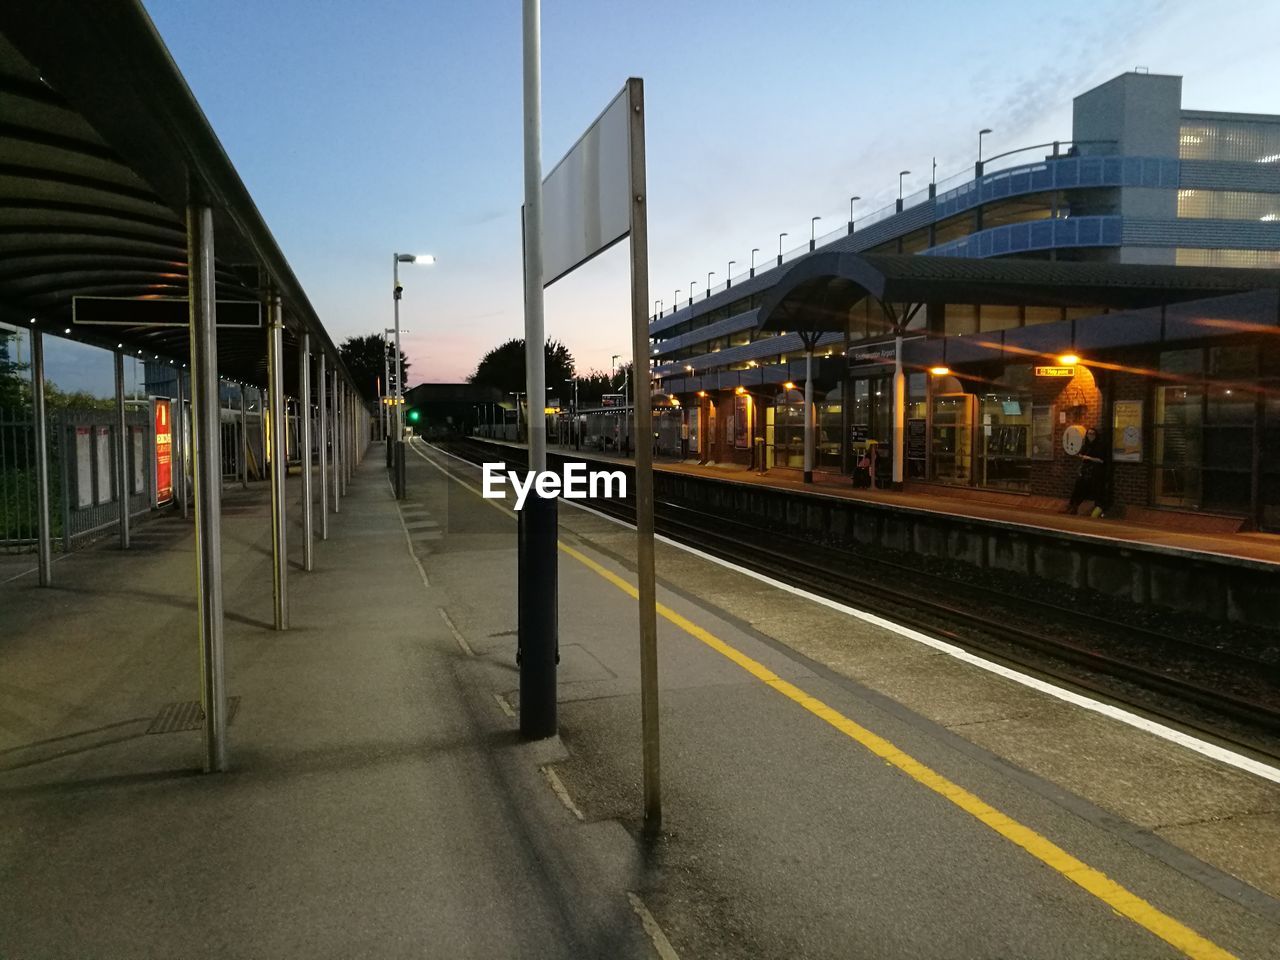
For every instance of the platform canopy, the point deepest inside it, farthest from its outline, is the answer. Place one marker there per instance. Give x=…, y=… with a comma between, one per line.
x=817, y=293
x=102, y=144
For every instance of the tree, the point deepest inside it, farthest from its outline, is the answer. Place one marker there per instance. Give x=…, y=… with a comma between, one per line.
x=503, y=367
x=596, y=383
x=14, y=387
x=366, y=357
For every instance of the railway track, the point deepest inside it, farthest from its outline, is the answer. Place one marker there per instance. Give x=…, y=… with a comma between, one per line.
x=1153, y=671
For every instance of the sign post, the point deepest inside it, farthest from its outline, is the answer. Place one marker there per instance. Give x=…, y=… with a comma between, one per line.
x=592, y=199
x=537, y=647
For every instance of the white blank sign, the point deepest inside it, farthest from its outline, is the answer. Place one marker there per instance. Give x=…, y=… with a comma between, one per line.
x=586, y=199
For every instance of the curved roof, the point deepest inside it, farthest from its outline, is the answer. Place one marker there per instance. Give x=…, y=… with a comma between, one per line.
x=101, y=145
x=817, y=293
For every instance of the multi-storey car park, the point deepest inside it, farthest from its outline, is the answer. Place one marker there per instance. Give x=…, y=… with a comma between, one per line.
x=1149, y=194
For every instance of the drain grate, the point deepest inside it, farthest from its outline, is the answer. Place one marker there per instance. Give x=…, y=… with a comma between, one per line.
x=187, y=715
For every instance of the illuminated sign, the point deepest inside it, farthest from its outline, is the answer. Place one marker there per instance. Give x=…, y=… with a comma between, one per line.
x=164, y=452
x=1055, y=371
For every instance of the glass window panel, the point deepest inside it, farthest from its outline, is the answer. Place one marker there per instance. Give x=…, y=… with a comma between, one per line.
x=1228, y=205
x=961, y=318
x=1194, y=257
x=1233, y=361
x=1247, y=141
x=1033, y=315
x=1182, y=361
x=998, y=317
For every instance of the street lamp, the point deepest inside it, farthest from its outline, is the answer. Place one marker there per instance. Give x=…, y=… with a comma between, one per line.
x=780, y=236
x=728, y=275
x=813, y=231
x=982, y=133
x=710, y=274
x=657, y=307
x=754, y=251
x=901, y=174
x=692, y=284
x=397, y=290
x=851, y=200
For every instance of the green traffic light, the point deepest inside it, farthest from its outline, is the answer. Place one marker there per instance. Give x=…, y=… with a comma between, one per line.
x=413, y=416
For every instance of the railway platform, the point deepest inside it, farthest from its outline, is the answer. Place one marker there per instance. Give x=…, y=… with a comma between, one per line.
x=1182, y=532
x=834, y=786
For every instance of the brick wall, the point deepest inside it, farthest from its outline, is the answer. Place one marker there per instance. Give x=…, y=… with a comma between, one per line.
x=1075, y=401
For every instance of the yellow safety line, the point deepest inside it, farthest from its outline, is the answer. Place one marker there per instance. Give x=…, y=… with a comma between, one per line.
x=1084, y=876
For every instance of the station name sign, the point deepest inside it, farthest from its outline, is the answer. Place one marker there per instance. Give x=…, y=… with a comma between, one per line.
x=1055, y=371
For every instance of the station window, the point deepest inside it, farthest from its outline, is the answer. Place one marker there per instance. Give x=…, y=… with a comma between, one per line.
x=960, y=319
x=999, y=317
x=1193, y=257
x=1203, y=427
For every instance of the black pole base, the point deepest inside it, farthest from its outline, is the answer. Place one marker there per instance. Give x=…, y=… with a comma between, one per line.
x=398, y=470
x=391, y=457
x=538, y=643
x=808, y=476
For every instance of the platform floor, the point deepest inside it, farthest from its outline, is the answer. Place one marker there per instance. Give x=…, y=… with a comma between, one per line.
x=1031, y=511
x=824, y=776
x=787, y=836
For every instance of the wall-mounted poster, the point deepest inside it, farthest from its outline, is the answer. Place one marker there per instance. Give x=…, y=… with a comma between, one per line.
x=1126, y=431
x=164, y=451
x=741, y=422
x=84, y=467
x=106, y=482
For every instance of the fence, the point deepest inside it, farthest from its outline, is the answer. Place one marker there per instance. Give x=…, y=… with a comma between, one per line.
x=83, y=456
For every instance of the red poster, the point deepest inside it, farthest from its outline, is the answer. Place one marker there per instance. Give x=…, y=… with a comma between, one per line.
x=164, y=452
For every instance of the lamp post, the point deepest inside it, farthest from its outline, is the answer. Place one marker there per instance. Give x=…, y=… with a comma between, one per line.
x=728, y=275
x=396, y=260
x=657, y=308
x=692, y=284
x=813, y=232
x=851, y=201
x=780, y=236
x=386, y=386
x=710, y=274
x=977, y=167
x=901, y=174
x=754, y=251
x=675, y=303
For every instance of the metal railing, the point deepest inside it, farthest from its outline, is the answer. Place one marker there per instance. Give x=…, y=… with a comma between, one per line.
x=967, y=175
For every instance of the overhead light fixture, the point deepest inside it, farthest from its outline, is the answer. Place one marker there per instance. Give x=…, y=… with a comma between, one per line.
x=1068, y=359
x=739, y=390
x=940, y=371
x=67, y=331
x=702, y=393
x=789, y=385
x=33, y=319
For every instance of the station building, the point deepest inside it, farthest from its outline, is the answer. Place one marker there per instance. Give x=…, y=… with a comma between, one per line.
x=1148, y=247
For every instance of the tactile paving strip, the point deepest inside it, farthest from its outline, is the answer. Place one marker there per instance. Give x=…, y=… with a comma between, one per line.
x=187, y=715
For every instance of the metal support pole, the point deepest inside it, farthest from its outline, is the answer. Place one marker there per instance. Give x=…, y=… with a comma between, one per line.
x=304, y=430
x=808, y=415
x=322, y=426
x=122, y=453
x=208, y=483
x=44, y=543
x=899, y=413
x=538, y=644
x=180, y=447
x=386, y=384
x=279, y=466
x=337, y=447
x=645, y=585
x=244, y=440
